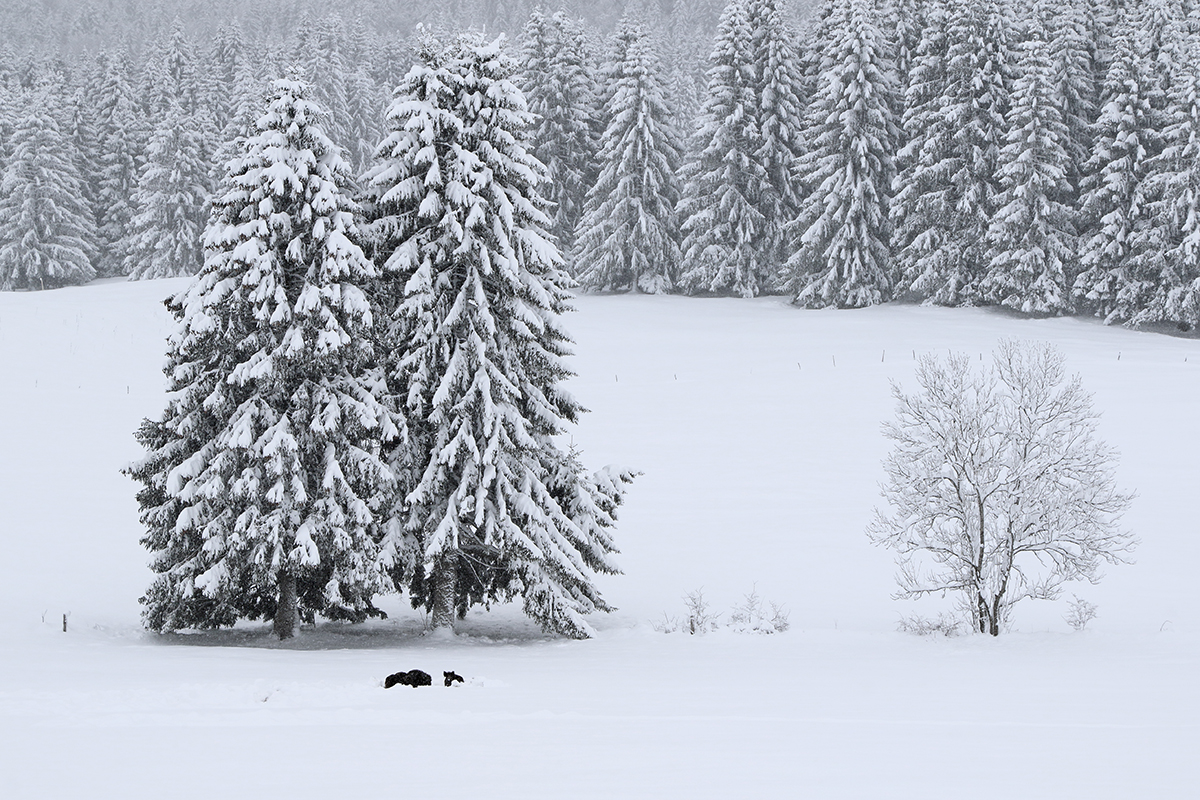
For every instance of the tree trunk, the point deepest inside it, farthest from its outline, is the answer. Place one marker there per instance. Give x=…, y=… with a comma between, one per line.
x=287, y=616
x=444, y=585
x=994, y=622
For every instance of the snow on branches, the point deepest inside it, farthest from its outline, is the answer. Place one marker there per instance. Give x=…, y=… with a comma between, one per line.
x=473, y=297
x=999, y=487
x=264, y=472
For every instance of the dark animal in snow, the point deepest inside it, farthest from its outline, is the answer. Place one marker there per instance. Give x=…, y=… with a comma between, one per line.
x=451, y=677
x=413, y=678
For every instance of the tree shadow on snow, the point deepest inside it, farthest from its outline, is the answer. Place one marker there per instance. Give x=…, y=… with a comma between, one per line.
x=403, y=631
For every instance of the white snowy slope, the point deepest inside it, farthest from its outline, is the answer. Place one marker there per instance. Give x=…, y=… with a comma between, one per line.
x=758, y=429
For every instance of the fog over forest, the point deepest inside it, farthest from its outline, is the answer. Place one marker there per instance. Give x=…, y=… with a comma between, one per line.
x=67, y=28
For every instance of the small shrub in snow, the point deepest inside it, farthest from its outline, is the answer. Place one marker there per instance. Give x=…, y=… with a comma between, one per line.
x=700, y=619
x=944, y=624
x=755, y=615
x=1080, y=613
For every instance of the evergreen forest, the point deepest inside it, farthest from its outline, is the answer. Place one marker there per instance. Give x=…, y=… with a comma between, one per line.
x=1040, y=156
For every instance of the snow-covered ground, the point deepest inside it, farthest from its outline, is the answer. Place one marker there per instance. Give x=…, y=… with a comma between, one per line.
x=758, y=429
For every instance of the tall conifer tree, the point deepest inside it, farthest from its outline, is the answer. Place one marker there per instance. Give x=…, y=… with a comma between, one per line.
x=558, y=80
x=123, y=141
x=164, y=233
x=47, y=234
x=473, y=296
x=724, y=247
x=628, y=238
x=843, y=234
x=948, y=191
x=260, y=487
x=1076, y=92
x=1175, y=180
x=1115, y=205
x=228, y=60
x=1032, y=237
x=780, y=111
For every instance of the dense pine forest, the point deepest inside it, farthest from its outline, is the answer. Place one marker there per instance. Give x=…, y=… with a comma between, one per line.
x=1039, y=156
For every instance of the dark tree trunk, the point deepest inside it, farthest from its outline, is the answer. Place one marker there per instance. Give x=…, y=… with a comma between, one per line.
x=287, y=616
x=444, y=586
x=994, y=620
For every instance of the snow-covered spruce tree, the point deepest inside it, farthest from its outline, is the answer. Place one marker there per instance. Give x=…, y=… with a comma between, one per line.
x=227, y=60
x=474, y=295
x=1160, y=28
x=47, y=234
x=1114, y=205
x=264, y=470
x=364, y=100
x=163, y=239
x=922, y=209
x=724, y=247
x=123, y=142
x=1191, y=18
x=77, y=118
x=9, y=103
x=684, y=80
x=171, y=75
x=1000, y=489
x=906, y=20
x=319, y=51
x=1076, y=92
x=1101, y=17
x=1175, y=178
x=816, y=37
x=779, y=95
x=628, y=237
x=558, y=81
x=1032, y=237
x=843, y=234
x=948, y=191
x=1150, y=275
x=242, y=107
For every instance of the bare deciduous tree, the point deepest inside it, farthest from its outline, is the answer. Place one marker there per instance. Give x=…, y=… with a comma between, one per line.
x=1000, y=489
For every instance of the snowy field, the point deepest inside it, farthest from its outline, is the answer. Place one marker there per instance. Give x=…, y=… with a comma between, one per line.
x=758, y=429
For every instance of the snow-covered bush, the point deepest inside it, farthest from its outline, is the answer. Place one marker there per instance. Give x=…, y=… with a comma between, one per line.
x=754, y=615
x=700, y=618
x=1080, y=612
x=944, y=624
